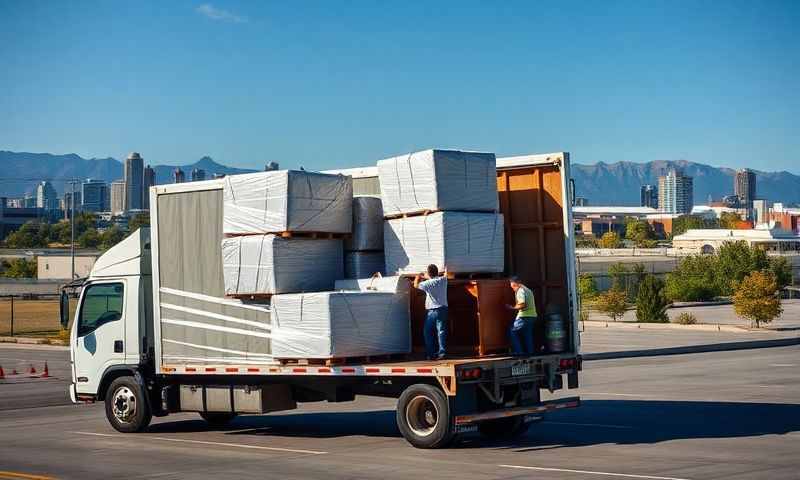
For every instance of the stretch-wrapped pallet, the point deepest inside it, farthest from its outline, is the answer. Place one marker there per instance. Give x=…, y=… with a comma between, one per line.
x=340, y=324
x=363, y=264
x=367, y=225
x=269, y=264
x=287, y=201
x=438, y=180
x=465, y=242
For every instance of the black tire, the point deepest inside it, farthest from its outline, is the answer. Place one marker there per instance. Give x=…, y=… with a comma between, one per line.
x=127, y=409
x=218, y=419
x=423, y=416
x=503, y=428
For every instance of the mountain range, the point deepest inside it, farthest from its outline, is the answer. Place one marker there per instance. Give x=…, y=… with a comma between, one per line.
x=602, y=183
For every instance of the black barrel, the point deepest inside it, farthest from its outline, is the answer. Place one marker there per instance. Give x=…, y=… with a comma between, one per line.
x=555, y=333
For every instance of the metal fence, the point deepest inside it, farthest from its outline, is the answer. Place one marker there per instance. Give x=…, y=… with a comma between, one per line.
x=31, y=315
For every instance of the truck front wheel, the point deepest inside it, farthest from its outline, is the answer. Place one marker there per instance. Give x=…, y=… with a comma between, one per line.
x=423, y=417
x=126, y=408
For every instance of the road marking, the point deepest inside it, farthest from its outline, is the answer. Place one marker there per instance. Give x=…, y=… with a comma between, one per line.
x=782, y=365
x=590, y=472
x=26, y=476
x=202, y=442
x=589, y=424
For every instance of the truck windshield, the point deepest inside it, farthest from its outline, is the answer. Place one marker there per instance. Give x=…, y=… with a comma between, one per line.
x=102, y=303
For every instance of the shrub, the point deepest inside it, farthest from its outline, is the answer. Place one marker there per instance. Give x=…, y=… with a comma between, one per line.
x=693, y=281
x=610, y=240
x=612, y=303
x=685, y=318
x=735, y=260
x=780, y=267
x=756, y=298
x=651, y=304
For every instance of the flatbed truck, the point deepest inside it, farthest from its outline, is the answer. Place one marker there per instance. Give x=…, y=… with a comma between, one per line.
x=124, y=352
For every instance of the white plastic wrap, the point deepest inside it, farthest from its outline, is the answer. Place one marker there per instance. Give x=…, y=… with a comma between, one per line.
x=438, y=180
x=367, y=225
x=340, y=324
x=363, y=264
x=464, y=242
x=287, y=201
x=268, y=264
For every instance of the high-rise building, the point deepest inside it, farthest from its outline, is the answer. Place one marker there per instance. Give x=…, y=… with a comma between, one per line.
x=675, y=193
x=46, y=196
x=95, y=195
x=118, y=196
x=134, y=182
x=29, y=201
x=649, y=196
x=67, y=203
x=760, y=211
x=198, y=174
x=744, y=186
x=178, y=176
x=149, y=181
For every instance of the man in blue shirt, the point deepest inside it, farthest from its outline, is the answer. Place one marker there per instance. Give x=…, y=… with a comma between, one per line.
x=435, y=288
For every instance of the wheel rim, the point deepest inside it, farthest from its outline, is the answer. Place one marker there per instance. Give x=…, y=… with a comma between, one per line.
x=422, y=416
x=124, y=404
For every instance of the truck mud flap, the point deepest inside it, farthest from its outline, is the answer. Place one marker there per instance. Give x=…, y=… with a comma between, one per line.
x=560, y=404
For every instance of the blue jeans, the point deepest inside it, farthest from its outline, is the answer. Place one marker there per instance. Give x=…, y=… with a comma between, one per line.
x=521, y=336
x=435, y=328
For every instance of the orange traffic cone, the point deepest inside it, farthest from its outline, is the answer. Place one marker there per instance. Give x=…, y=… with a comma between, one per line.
x=2, y=373
x=46, y=372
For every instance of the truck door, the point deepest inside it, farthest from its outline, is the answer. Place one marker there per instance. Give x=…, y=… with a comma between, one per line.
x=98, y=334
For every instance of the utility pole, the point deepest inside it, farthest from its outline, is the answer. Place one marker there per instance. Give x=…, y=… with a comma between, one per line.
x=72, y=228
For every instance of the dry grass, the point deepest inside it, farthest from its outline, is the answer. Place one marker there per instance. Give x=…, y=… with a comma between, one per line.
x=32, y=317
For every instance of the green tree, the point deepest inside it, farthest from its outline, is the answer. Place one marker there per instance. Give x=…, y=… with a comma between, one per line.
x=587, y=289
x=735, y=260
x=31, y=234
x=619, y=276
x=694, y=280
x=729, y=220
x=651, y=304
x=756, y=298
x=610, y=240
x=139, y=220
x=640, y=232
x=89, y=239
x=20, y=268
x=110, y=237
x=689, y=222
x=782, y=269
x=612, y=303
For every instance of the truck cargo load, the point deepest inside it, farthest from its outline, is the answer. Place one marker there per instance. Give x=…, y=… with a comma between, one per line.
x=438, y=180
x=367, y=225
x=363, y=264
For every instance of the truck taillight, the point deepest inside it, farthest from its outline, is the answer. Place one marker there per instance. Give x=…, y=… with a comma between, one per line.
x=567, y=363
x=470, y=373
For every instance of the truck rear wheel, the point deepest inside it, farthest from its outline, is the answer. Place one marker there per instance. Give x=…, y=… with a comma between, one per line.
x=423, y=416
x=126, y=408
x=503, y=428
x=217, y=419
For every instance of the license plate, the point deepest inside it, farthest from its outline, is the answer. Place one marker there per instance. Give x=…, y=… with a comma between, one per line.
x=521, y=369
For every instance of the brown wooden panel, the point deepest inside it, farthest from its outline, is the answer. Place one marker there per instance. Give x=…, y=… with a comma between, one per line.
x=552, y=196
x=556, y=267
x=494, y=319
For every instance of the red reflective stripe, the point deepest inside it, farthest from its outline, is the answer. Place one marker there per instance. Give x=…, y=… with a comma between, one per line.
x=274, y=370
x=398, y=370
x=232, y=369
x=348, y=370
x=373, y=370
x=425, y=370
x=324, y=370
x=253, y=369
x=191, y=369
x=299, y=370
x=209, y=369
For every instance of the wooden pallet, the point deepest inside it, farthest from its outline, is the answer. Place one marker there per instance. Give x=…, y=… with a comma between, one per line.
x=422, y=213
x=255, y=297
x=330, y=362
x=317, y=235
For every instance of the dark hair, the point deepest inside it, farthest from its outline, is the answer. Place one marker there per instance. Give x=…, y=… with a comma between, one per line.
x=433, y=270
x=514, y=279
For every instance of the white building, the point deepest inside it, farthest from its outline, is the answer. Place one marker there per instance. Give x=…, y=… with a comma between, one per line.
x=675, y=193
x=46, y=196
x=118, y=197
x=709, y=240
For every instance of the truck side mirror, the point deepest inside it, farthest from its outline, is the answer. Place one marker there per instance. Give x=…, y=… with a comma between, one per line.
x=64, y=309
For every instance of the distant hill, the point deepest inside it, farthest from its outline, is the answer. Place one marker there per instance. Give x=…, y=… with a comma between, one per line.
x=21, y=171
x=618, y=183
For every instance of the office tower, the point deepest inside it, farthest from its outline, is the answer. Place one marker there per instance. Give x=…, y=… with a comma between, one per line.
x=649, y=196
x=149, y=181
x=118, y=196
x=198, y=175
x=68, y=199
x=178, y=176
x=760, y=211
x=46, y=196
x=675, y=193
x=95, y=195
x=744, y=186
x=134, y=182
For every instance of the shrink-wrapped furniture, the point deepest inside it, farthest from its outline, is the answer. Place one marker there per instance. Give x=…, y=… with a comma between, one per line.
x=363, y=264
x=438, y=180
x=287, y=201
x=367, y=225
x=464, y=242
x=340, y=324
x=269, y=264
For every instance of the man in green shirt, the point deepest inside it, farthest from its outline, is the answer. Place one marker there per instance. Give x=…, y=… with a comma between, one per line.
x=521, y=331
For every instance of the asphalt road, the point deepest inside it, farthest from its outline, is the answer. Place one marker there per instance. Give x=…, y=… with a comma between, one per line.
x=697, y=416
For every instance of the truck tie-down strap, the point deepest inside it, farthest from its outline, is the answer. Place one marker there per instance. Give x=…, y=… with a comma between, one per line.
x=344, y=370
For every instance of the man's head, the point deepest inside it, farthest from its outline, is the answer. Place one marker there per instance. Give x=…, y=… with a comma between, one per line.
x=433, y=271
x=515, y=283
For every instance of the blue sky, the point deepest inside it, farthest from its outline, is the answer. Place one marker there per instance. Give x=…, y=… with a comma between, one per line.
x=336, y=84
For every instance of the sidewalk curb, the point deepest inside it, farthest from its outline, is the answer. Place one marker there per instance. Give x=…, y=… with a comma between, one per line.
x=702, y=327
x=711, y=347
x=33, y=341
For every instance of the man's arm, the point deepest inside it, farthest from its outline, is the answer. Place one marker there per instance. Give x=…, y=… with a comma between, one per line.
x=519, y=305
x=417, y=280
